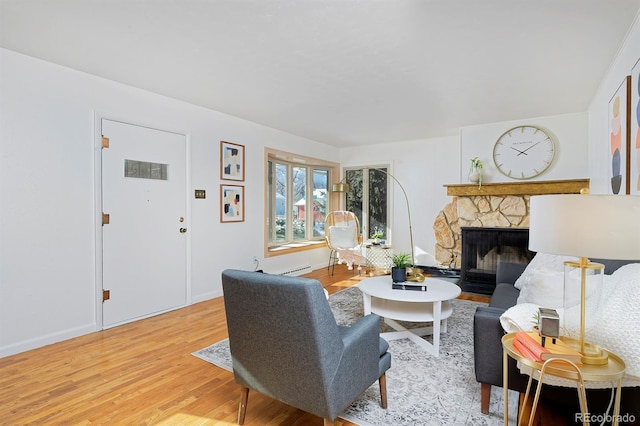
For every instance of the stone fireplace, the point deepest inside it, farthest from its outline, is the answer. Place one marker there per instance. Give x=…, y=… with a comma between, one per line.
x=487, y=211
x=492, y=205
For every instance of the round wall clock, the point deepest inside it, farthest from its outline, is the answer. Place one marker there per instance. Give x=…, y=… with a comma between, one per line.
x=524, y=152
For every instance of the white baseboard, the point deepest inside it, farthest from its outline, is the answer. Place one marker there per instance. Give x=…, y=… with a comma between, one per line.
x=38, y=342
x=206, y=296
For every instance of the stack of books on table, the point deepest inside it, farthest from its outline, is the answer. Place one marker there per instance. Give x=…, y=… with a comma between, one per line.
x=529, y=345
x=409, y=286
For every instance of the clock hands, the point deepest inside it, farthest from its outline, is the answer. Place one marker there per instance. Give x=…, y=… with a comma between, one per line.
x=515, y=157
x=525, y=151
x=519, y=152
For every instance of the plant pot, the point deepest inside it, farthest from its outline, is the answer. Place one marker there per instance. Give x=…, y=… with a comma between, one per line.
x=398, y=275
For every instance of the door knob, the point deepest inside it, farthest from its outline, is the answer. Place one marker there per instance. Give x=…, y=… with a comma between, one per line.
x=183, y=230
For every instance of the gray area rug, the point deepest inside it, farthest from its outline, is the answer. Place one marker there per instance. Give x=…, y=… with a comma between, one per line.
x=422, y=389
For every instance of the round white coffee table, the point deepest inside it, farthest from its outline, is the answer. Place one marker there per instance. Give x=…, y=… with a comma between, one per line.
x=433, y=305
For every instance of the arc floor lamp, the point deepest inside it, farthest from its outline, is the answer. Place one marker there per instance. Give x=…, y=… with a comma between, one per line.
x=415, y=274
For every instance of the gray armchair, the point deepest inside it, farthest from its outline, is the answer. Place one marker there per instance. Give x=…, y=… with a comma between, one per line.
x=285, y=344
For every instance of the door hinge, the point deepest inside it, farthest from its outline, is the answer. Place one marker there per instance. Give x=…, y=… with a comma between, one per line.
x=105, y=142
x=106, y=295
x=105, y=218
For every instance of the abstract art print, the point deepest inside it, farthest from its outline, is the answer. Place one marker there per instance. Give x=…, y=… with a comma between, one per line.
x=231, y=161
x=231, y=203
x=619, y=138
x=634, y=149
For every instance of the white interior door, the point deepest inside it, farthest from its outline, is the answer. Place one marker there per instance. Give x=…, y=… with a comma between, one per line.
x=144, y=243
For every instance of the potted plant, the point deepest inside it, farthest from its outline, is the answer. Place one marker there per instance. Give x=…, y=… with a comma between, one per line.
x=377, y=236
x=475, y=171
x=399, y=269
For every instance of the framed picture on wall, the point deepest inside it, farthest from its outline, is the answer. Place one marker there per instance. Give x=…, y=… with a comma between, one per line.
x=634, y=148
x=231, y=203
x=619, y=107
x=231, y=161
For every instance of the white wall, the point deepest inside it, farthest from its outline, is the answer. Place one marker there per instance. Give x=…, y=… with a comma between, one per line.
x=425, y=166
x=47, y=227
x=422, y=167
x=569, y=131
x=599, y=151
x=47, y=190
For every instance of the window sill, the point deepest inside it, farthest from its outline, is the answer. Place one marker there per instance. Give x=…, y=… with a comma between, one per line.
x=295, y=247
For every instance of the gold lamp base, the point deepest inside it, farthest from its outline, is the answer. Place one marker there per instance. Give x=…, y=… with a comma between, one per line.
x=591, y=354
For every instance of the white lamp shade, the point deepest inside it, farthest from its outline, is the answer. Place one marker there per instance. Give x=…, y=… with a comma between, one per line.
x=592, y=226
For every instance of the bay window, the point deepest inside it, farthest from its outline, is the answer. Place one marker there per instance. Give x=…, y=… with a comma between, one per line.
x=297, y=200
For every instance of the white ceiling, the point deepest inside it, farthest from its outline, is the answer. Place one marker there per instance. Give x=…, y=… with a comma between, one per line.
x=343, y=72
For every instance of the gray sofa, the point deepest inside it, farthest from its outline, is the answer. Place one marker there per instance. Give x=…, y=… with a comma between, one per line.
x=487, y=335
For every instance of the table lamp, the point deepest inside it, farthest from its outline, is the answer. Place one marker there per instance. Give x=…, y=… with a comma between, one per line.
x=586, y=226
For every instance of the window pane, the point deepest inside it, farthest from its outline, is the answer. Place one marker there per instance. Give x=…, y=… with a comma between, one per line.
x=368, y=199
x=281, y=202
x=299, y=202
x=355, y=195
x=320, y=199
x=377, y=201
x=271, y=217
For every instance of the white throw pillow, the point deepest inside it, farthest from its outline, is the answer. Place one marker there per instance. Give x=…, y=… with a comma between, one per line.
x=550, y=262
x=343, y=236
x=546, y=287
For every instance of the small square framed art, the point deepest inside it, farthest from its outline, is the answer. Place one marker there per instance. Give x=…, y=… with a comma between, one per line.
x=231, y=203
x=231, y=161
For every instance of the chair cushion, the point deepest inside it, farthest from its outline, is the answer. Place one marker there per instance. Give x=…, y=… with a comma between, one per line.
x=384, y=346
x=343, y=236
x=385, y=357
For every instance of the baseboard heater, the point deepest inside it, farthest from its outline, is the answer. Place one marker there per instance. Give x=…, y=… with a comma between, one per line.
x=298, y=270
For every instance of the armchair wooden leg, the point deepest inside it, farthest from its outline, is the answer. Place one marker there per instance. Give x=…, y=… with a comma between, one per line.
x=383, y=390
x=485, y=397
x=242, y=408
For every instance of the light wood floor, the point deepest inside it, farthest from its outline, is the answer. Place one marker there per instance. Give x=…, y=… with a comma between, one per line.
x=142, y=373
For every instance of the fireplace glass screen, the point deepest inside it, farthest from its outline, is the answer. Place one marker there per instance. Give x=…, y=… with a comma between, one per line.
x=482, y=248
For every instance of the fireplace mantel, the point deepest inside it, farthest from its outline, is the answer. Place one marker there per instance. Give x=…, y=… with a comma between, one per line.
x=572, y=186
x=503, y=205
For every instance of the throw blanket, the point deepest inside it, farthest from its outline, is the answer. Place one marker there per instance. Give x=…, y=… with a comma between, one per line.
x=612, y=316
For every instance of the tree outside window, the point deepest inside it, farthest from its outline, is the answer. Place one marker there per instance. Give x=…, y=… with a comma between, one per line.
x=368, y=199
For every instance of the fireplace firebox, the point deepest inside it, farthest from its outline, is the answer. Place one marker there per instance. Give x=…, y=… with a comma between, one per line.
x=482, y=248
